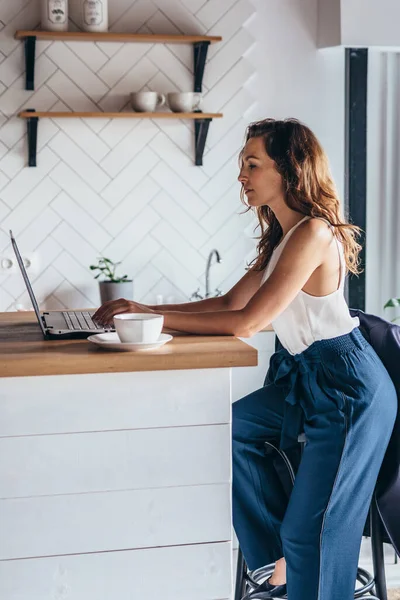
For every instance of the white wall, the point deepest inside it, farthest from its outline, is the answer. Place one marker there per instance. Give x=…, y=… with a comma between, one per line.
x=129, y=189
x=353, y=23
x=373, y=23
x=294, y=79
x=383, y=182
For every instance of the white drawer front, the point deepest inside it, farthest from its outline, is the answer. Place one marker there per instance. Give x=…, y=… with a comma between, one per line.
x=73, y=524
x=72, y=403
x=200, y=572
x=115, y=460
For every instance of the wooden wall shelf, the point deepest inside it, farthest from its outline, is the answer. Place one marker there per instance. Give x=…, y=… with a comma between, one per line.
x=200, y=46
x=26, y=114
x=200, y=49
x=109, y=36
x=201, y=123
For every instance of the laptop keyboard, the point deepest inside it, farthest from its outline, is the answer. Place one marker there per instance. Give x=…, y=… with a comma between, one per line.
x=80, y=320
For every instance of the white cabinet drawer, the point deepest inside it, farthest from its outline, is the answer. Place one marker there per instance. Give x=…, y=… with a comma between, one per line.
x=74, y=524
x=199, y=572
x=115, y=460
x=103, y=402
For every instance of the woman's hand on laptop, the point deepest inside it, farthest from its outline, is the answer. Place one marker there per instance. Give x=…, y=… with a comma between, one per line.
x=105, y=314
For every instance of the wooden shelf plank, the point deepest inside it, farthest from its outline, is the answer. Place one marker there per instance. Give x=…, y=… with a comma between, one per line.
x=109, y=36
x=116, y=115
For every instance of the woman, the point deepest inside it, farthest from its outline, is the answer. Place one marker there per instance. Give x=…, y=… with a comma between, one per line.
x=326, y=380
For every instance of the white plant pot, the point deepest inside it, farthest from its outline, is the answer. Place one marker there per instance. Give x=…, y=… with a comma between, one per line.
x=54, y=15
x=95, y=15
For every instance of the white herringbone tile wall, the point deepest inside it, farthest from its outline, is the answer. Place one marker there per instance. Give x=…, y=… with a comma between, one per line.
x=126, y=189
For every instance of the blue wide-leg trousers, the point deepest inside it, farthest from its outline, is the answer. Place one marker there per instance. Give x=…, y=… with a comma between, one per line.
x=339, y=393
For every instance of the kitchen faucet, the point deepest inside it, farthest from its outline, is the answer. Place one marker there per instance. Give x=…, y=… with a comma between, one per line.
x=209, y=261
x=196, y=295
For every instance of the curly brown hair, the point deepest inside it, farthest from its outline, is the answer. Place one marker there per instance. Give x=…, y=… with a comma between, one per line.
x=308, y=185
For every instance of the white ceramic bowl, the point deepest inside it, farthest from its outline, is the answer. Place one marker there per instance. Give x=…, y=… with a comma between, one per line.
x=138, y=327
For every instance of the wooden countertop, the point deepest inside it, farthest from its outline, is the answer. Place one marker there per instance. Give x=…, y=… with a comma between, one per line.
x=24, y=352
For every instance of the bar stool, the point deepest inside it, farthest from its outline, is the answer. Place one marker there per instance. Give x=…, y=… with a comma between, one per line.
x=248, y=580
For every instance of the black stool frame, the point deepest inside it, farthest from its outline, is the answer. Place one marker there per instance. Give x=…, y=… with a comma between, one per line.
x=370, y=584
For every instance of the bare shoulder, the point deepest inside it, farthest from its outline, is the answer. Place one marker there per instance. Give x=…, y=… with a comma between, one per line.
x=314, y=231
x=309, y=241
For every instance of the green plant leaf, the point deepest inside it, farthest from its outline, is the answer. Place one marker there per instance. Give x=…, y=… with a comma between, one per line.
x=392, y=303
x=107, y=268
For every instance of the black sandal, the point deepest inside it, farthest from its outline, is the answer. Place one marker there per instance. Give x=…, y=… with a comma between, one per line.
x=266, y=590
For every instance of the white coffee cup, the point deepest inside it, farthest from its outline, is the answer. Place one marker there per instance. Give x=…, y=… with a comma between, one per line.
x=184, y=101
x=138, y=327
x=146, y=101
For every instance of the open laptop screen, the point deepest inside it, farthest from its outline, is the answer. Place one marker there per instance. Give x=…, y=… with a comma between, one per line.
x=27, y=282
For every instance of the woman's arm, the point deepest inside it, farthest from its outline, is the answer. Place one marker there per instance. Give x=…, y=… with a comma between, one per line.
x=207, y=305
x=303, y=253
x=225, y=322
x=236, y=298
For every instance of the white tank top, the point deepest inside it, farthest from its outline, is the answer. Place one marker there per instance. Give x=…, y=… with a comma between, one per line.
x=308, y=318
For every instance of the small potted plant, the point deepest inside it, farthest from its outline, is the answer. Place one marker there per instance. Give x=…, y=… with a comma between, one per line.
x=112, y=287
x=392, y=303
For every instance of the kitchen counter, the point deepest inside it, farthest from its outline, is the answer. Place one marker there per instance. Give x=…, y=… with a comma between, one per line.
x=24, y=352
x=115, y=468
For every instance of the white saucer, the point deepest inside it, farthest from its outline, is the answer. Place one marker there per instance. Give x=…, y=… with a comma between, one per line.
x=111, y=341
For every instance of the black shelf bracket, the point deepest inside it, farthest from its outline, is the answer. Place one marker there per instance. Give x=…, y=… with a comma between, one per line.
x=30, y=49
x=200, y=130
x=200, y=125
x=32, y=125
x=200, y=57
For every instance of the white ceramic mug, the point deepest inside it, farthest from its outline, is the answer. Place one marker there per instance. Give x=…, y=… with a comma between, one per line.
x=184, y=101
x=147, y=101
x=138, y=327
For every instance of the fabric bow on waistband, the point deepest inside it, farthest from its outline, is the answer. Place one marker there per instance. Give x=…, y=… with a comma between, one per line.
x=287, y=371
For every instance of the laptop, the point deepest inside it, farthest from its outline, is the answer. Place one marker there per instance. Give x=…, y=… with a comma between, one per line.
x=59, y=325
